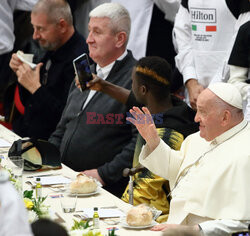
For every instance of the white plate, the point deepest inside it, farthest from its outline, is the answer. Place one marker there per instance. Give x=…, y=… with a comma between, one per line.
x=125, y=225
x=84, y=194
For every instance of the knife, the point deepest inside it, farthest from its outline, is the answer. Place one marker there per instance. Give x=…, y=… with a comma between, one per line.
x=35, y=176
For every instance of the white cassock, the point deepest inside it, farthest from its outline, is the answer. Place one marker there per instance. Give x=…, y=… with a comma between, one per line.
x=13, y=215
x=214, y=192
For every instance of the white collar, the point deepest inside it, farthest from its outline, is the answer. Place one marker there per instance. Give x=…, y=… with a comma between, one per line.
x=229, y=133
x=106, y=69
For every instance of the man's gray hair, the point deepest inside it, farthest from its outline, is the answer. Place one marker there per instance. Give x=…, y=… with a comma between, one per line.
x=55, y=10
x=118, y=15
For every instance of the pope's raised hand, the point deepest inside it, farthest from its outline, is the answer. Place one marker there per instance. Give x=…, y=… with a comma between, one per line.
x=143, y=121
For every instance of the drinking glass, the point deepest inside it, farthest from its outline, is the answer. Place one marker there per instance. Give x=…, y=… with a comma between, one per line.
x=15, y=163
x=68, y=203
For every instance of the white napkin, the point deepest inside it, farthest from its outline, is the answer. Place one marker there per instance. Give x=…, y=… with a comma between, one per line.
x=26, y=58
x=57, y=179
x=103, y=212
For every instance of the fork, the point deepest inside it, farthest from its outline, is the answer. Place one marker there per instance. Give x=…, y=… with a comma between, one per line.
x=82, y=217
x=57, y=188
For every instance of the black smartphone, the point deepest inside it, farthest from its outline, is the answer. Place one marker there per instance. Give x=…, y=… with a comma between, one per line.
x=82, y=69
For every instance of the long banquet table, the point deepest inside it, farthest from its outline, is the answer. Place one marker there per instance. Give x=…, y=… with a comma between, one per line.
x=101, y=199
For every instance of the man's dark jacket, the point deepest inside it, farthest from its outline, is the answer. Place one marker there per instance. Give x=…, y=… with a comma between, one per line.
x=44, y=108
x=108, y=145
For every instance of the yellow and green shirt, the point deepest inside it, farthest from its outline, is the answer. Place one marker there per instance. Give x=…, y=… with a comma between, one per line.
x=148, y=187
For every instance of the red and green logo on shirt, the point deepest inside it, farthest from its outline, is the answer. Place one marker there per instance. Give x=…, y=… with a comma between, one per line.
x=208, y=28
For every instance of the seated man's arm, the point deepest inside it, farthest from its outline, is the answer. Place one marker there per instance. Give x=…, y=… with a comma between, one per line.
x=29, y=78
x=111, y=172
x=51, y=101
x=223, y=227
x=57, y=135
x=119, y=93
x=48, y=100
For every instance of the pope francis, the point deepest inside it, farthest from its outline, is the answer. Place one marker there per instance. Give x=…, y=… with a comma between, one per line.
x=209, y=176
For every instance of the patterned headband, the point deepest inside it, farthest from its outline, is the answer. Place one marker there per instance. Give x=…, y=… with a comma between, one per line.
x=152, y=74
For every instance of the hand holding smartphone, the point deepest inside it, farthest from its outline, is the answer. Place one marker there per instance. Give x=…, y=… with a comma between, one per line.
x=82, y=69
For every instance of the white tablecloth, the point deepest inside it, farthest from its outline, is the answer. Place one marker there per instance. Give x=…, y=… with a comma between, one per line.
x=101, y=199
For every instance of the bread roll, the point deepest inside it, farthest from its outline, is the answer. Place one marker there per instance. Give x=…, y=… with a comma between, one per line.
x=139, y=216
x=83, y=184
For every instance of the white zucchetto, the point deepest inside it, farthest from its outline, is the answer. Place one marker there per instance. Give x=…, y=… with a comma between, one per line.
x=228, y=93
